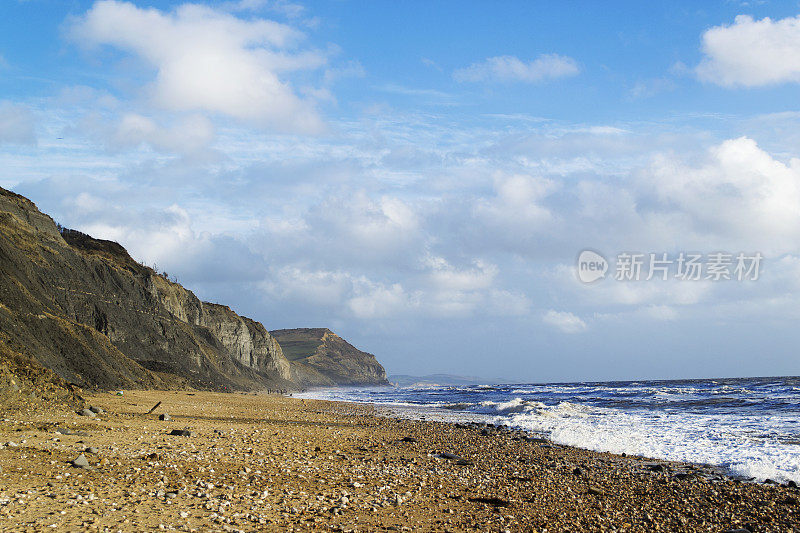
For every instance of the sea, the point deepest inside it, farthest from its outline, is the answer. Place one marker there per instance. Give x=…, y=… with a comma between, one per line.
x=749, y=427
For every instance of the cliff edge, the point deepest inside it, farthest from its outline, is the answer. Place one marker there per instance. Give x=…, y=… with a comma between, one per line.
x=84, y=309
x=319, y=357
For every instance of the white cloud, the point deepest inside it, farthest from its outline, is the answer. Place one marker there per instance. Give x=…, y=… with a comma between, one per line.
x=651, y=87
x=414, y=222
x=512, y=69
x=315, y=287
x=209, y=60
x=740, y=194
x=413, y=91
x=351, y=69
x=430, y=63
x=189, y=135
x=17, y=124
x=374, y=229
x=289, y=9
x=75, y=96
x=378, y=301
x=507, y=303
x=564, y=320
x=752, y=53
x=444, y=277
x=663, y=313
x=518, y=203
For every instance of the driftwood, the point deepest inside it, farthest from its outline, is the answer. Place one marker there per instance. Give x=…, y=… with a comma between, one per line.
x=154, y=408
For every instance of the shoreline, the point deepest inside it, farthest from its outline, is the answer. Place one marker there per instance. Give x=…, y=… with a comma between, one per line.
x=727, y=462
x=268, y=462
x=715, y=472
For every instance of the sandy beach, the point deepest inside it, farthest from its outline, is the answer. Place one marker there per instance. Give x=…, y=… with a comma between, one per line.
x=257, y=462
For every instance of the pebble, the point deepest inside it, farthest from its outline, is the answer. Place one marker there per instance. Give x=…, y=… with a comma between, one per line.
x=165, y=417
x=456, y=459
x=81, y=462
x=182, y=433
x=96, y=410
x=593, y=489
x=491, y=500
x=537, y=440
x=67, y=431
x=87, y=412
x=92, y=449
x=358, y=482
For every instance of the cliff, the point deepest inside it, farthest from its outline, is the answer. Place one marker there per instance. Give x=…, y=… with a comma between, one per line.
x=319, y=357
x=83, y=308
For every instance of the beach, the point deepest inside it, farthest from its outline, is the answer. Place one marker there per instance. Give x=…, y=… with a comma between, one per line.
x=254, y=462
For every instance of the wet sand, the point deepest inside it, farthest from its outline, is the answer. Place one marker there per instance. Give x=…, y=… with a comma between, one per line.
x=269, y=463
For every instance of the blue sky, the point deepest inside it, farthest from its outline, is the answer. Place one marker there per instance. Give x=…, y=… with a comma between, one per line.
x=420, y=176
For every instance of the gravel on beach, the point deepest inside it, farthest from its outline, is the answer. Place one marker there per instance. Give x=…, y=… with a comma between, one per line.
x=257, y=462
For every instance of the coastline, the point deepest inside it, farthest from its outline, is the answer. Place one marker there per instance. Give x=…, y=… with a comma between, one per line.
x=257, y=461
x=744, y=427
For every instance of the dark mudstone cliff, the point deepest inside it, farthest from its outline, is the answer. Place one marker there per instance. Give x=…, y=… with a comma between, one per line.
x=83, y=308
x=319, y=357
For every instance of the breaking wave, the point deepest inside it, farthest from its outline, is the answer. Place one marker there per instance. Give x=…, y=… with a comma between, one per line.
x=749, y=426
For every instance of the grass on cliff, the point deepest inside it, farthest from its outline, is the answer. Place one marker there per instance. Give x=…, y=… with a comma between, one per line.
x=297, y=350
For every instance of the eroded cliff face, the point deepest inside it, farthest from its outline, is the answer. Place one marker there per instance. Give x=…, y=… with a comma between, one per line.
x=83, y=308
x=246, y=340
x=319, y=357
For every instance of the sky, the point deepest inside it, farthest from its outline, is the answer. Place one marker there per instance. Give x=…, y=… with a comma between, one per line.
x=421, y=177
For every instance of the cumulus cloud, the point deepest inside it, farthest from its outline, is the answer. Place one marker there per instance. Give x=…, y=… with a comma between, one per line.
x=375, y=230
x=189, y=135
x=512, y=69
x=17, y=124
x=375, y=300
x=394, y=231
x=740, y=193
x=446, y=277
x=209, y=60
x=750, y=53
x=166, y=239
x=564, y=320
x=518, y=209
x=310, y=287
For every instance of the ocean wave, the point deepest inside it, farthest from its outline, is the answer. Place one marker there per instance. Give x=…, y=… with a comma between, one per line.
x=749, y=426
x=458, y=406
x=515, y=405
x=719, y=441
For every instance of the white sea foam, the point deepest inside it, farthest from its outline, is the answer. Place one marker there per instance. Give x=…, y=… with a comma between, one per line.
x=750, y=427
x=718, y=440
x=516, y=405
